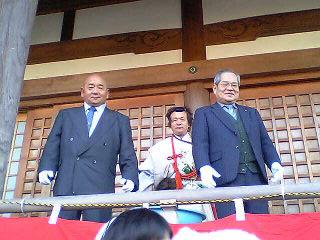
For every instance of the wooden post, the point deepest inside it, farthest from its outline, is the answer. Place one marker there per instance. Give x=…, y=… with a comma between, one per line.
x=193, y=47
x=16, y=20
x=196, y=96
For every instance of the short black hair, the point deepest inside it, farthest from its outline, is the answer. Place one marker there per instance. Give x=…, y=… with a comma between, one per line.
x=137, y=224
x=179, y=109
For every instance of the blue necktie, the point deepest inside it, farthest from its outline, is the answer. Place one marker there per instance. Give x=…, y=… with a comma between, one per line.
x=231, y=110
x=90, y=116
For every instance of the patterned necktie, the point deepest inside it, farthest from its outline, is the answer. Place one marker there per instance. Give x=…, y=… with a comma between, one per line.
x=90, y=116
x=231, y=110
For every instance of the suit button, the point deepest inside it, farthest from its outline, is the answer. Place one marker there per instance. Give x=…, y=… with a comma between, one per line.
x=94, y=161
x=105, y=144
x=243, y=141
x=235, y=133
x=237, y=147
x=78, y=158
x=71, y=139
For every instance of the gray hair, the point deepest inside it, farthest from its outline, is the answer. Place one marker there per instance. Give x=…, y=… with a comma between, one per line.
x=217, y=77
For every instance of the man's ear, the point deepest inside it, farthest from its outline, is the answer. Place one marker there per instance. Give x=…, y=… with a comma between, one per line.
x=81, y=91
x=214, y=88
x=108, y=93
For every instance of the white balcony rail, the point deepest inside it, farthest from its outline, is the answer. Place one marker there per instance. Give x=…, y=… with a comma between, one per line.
x=166, y=197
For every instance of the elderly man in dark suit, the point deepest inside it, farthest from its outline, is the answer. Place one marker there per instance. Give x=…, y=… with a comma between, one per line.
x=231, y=145
x=83, y=148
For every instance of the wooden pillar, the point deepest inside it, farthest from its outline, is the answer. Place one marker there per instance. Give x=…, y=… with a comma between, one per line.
x=196, y=96
x=193, y=47
x=16, y=20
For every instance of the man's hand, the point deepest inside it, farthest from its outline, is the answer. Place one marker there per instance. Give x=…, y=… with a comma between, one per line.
x=207, y=173
x=277, y=172
x=128, y=185
x=45, y=177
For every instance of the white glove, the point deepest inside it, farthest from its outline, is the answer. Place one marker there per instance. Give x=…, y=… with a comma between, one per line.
x=207, y=173
x=128, y=185
x=277, y=172
x=45, y=177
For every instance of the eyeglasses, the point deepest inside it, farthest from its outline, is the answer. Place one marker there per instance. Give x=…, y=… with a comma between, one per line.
x=234, y=85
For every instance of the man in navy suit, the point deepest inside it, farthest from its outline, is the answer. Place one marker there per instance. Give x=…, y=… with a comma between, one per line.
x=231, y=145
x=83, y=148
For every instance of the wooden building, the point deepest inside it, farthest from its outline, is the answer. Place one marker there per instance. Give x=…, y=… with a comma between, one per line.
x=156, y=54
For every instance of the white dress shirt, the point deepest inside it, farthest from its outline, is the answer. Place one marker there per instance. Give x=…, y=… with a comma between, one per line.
x=96, y=116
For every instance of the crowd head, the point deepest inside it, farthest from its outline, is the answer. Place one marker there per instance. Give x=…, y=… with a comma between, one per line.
x=138, y=224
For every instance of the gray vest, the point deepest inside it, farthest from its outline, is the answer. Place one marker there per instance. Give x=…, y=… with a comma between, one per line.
x=247, y=161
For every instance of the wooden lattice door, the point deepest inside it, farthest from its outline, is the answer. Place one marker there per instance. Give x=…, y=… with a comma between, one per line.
x=292, y=121
x=147, y=119
x=37, y=129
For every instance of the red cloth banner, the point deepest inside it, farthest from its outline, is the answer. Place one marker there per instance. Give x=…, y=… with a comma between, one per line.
x=304, y=226
x=37, y=228
x=267, y=227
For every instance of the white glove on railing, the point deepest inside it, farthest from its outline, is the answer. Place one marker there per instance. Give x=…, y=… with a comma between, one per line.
x=207, y=173
x=277, y=172
x=128, y=185
x=45, y=177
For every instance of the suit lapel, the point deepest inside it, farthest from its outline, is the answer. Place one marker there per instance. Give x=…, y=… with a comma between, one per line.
x=106, y=121
x=222, y=116
x=81, y=123
x=81, y=127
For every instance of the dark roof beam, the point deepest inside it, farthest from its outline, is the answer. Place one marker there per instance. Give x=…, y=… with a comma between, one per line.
x=55, y=6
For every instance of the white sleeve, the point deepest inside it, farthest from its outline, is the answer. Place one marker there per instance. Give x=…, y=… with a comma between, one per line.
x=146, y=174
